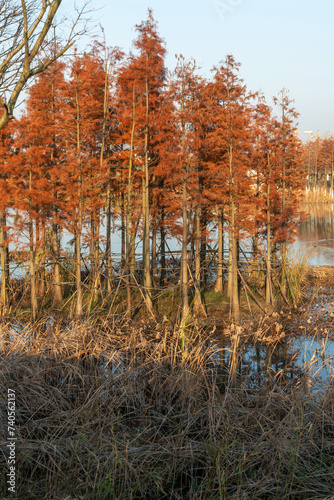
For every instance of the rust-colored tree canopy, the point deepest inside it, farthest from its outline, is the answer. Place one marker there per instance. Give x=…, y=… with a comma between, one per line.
x=113, y=142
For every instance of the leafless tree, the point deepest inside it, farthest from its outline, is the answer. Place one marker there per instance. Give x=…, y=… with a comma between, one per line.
x=24, y=34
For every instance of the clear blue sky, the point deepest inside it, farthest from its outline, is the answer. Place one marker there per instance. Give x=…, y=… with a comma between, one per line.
x=278, y=43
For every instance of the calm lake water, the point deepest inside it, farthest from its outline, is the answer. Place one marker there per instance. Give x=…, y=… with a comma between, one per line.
x=296, y=357
x=301, y=359
x=316, y=236
x=309, y=355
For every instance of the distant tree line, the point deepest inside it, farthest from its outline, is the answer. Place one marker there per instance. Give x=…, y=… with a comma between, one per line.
x=319, y=161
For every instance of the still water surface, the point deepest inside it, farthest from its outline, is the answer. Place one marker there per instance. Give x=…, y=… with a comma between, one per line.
x=316, y=236
x=301, y=359
x=296, y=357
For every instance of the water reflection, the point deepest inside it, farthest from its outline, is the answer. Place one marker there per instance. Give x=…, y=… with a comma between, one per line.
x=294, y=361
x=316, y=235
x=305, y=360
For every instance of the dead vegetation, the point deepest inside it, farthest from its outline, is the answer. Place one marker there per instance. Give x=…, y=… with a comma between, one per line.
x=116, y=411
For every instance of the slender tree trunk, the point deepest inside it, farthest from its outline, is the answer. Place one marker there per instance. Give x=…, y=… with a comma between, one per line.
x=325, y=178
x=146, y=247
x=91, y=251
x=255, y=270
x=229, y=275
x=255, y=266
x=96, y=271
x=133, y=256
x=192, y=245
x=55, y=239
x=234, y=265
x=123, y=231
x=309, y=171
x=32, y=255
x=269, y=290
x=4, y=263
x=283, y=244
x=128, y=237
x=79, y=221
x=57, y=289
x=198, y=304
x=79, y=305
x=184, y=259
x=146, y=217
x=94, y=255
x=154, y=255
x=316, y=171
x=204, y=271
x=219, y=282
x=269, y=287
x=42, y=265
x=283, y=255
x=107, y=284
x=129, y=276
x=163, y=275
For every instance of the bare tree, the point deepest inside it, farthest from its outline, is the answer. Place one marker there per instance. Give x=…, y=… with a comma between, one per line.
x=24, y=34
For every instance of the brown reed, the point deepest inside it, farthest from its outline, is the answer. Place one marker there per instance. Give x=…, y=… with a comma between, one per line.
x=117, y=411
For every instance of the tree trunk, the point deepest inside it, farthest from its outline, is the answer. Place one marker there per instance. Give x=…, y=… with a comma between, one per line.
x=42, y=266
x=4, y=264
x=204, y=270
x=107, y=284
x=126, y=269
x=32, y=255
x=198, y=304
x=325, y=178
x=97, y=287
x=269, y=287
x=95, y=272
x=129, y=273
x=219, y=282
x=184, y=259
x=133, y=256
x=146, y=218
x=79, y=306
x=57, y=290
x=283, y=244
x=229, y=275
x=123, y=231
x=269, y=290
x=163, y=274
x=79, y=221
x=234, y=298
x=255, y=270
x=154, y=255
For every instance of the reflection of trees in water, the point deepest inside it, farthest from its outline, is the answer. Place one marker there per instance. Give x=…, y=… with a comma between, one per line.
x=256, y=366
x=319, y=225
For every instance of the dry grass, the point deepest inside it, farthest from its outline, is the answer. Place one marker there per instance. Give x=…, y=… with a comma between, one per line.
x=122, y=412
x=318, y=195
x=297, y=270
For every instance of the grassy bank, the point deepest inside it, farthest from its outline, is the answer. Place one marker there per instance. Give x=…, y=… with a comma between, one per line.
x=167, y=303
x=117, y=411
